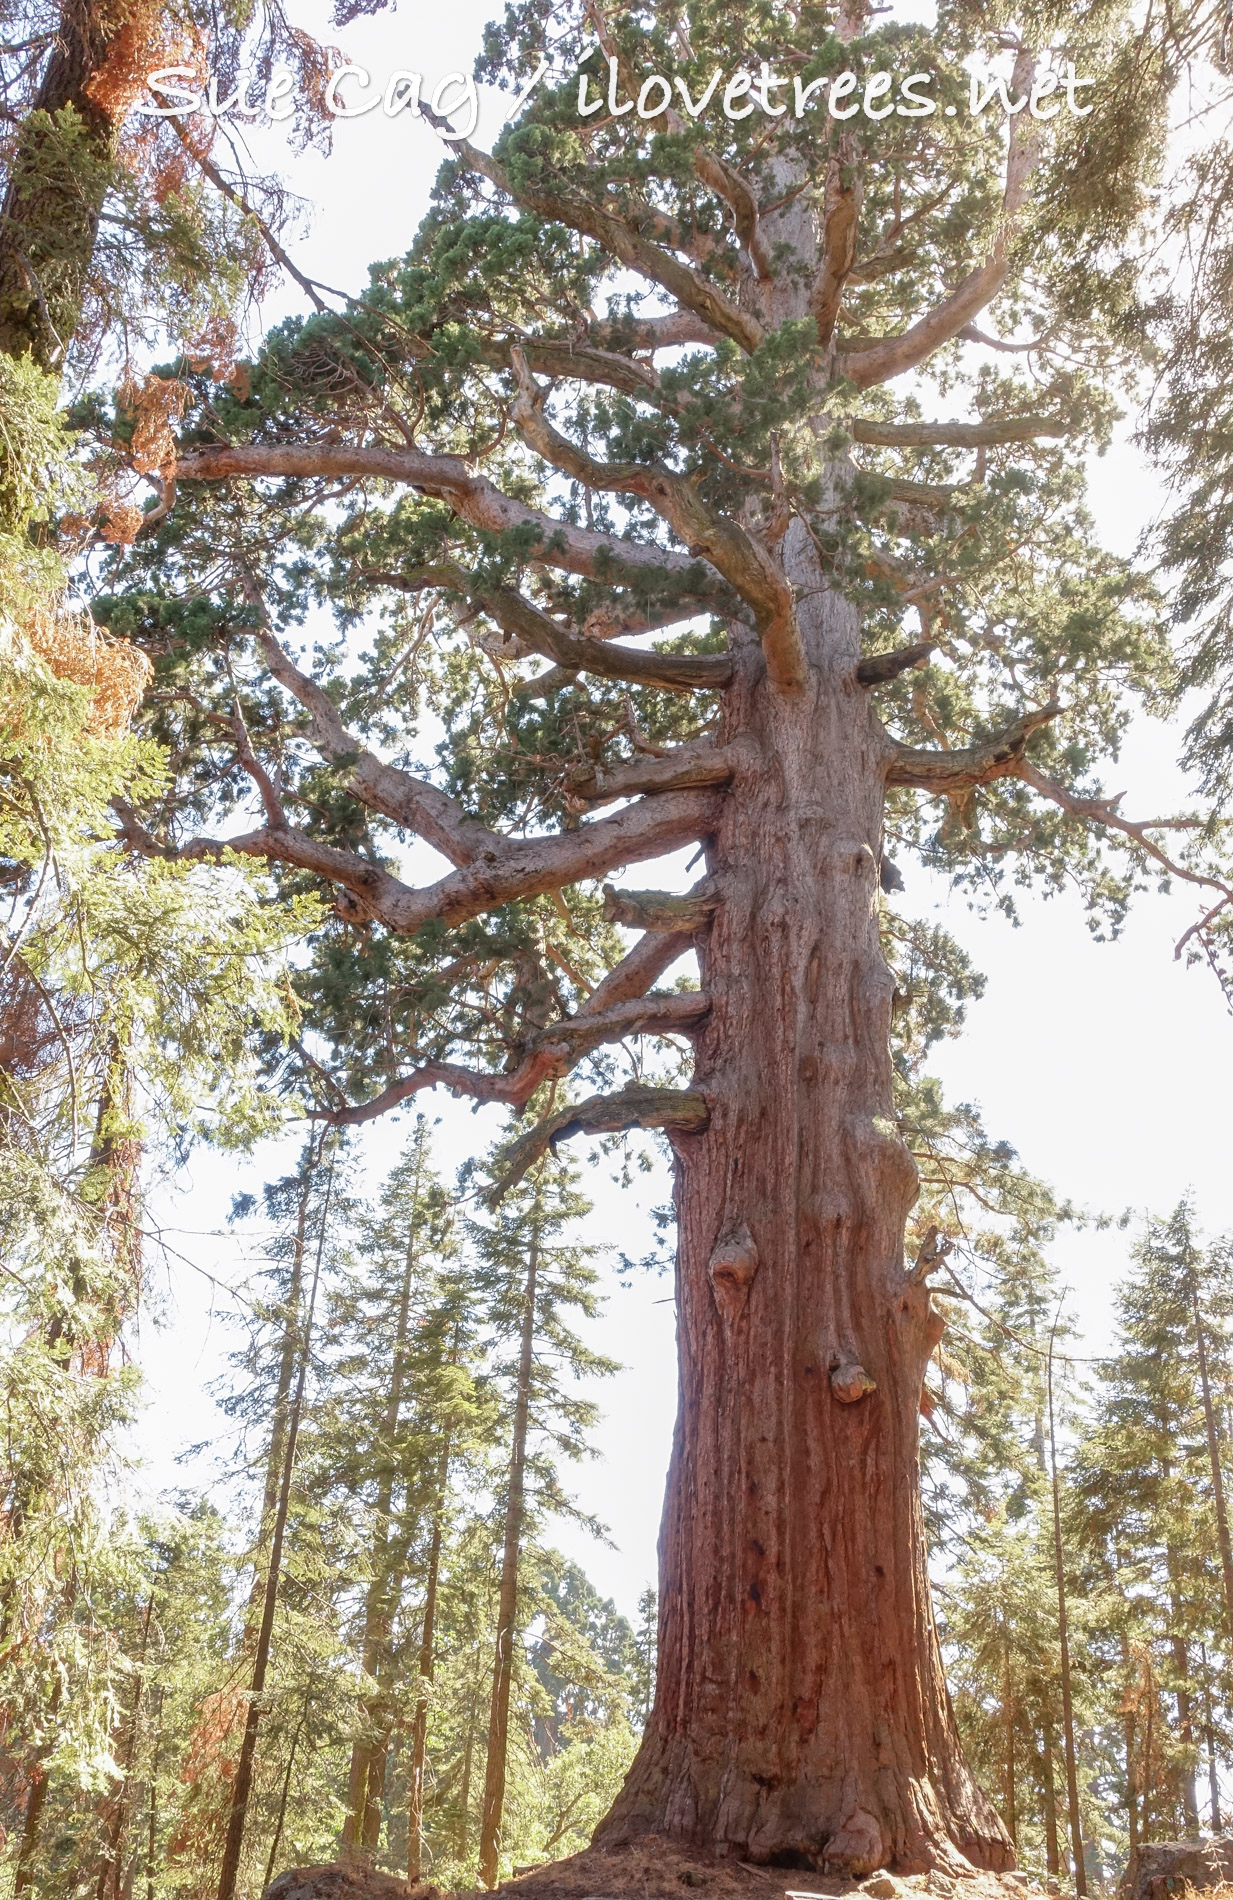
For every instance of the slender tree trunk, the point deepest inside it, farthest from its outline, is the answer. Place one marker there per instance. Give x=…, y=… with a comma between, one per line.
x=285, y=1791
x=1213, y=1454
x=1053, y=1855
x=1063, y=1630
x=288, y=1358
x=507, y=1600
x=152, y=1816
x=1128, y=1742
x=1148, y=1762
x=109, y=1867
x=801, y=1715
x=36, y=1801
x=31, y=1829
x=419, y=1732
x=1209, y=1733
x=366, y=1783
x=242, y=1786
x=1181, y=1696
x=1008, y=1718
x=468, y=1760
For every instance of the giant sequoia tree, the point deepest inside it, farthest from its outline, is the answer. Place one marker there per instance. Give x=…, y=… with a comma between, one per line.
x=653, y=399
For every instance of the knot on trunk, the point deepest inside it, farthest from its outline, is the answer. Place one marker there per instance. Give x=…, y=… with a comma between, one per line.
x=858, y=1846
x=733, y=1264
x=850, y=1382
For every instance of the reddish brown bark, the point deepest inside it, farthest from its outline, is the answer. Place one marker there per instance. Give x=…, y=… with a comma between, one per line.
x=801, y=1716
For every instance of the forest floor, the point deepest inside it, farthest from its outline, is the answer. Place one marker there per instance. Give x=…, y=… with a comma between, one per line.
x=656, y=1870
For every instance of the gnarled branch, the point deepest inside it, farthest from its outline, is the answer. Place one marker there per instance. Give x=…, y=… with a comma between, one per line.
x=947, y=773
x=661, y=910
x=683, y=1110
x=553, y=1052
x=893, y=355
x=693, y=763
x=604, y=557
x=742, y=561
x=622, y=241
x=525, y=867
x=678, y=673
x=878, y=668
x=667, y=332
x=432, y=814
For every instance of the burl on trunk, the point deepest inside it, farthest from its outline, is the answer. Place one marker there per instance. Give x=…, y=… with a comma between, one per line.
x=801, y=1715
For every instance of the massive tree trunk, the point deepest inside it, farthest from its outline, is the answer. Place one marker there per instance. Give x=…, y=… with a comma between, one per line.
x=801, y=1716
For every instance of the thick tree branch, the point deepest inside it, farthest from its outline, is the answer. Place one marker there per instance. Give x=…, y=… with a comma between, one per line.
x=622, y=241
x=571, y=361
x=369, y=890
x=652, y=333
x=605, y=622
x=742, y=561
x=646, y=830
x=432, y=814
x=678, y=673
x=948, y=773
x=661, y=910
x=637, y=1106
x=604, y=557
x=525, y=867
x=638, y=969
x=554, y=1052
x=951, y=435
x=893, y=355
x=881, y=667
x=841, y=213
x=694, y=763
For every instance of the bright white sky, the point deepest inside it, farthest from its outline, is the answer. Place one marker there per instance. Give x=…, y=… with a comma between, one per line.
x=1106, y=1065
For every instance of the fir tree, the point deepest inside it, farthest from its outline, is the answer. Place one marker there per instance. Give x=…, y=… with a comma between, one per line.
x=1145, y=1480
x=533, y=1279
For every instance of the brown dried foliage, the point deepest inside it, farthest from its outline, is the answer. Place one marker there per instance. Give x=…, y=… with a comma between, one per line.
x=115, y=672
x=151, y=406
x=141, y=42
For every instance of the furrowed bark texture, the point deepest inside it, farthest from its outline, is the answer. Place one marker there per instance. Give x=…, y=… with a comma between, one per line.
x=801, y=1716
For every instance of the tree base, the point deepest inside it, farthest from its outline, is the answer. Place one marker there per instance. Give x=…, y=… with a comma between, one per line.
x=656, y=1869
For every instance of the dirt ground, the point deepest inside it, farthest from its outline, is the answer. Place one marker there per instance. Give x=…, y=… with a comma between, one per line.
x=657, y=1870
